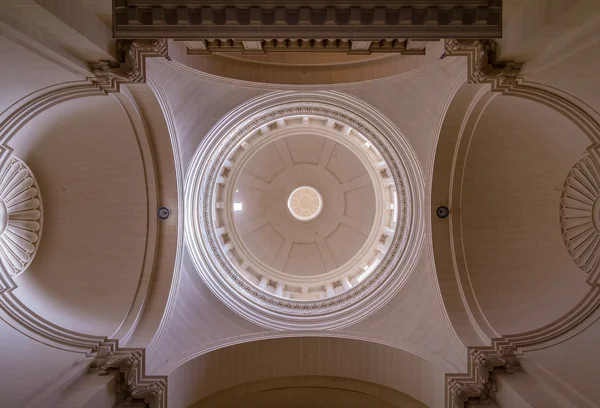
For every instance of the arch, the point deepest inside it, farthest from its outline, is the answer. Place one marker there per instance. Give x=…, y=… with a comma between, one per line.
x=304, y=68
x=314, y=391
x=476, y=122
x=299, y=356
x=32, y=119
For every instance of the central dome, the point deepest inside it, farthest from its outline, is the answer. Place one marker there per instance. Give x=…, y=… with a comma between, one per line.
x=303, y=206
x=300, y=210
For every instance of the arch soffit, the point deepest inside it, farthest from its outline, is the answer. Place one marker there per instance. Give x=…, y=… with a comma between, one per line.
x=229, y=357
x=15, y=312
x=380, y=394
x=190, y=354
x=466, y=317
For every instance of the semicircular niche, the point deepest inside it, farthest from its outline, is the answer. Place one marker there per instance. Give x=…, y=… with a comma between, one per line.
x=20, y=216
x=580, y=214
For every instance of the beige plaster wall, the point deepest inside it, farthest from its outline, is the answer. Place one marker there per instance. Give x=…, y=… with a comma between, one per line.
x=86, y=158
x=23, y=72
x=542, y=32
x=520, y=271
x=308, y=397
x=576, y=74
x=574, y=364
x=27, y=366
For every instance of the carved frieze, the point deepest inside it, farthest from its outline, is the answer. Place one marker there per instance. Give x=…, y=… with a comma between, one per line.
x=21, y=216
x=402, y=46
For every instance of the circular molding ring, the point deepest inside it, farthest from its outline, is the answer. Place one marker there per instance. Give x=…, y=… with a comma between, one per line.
x=247, y=299
x=305, y=203
x=21, y=216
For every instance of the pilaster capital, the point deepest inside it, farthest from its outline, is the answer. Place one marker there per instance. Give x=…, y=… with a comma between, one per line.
x=133, y=383
x=131, y=69
x=482, y=64
x=479, y=385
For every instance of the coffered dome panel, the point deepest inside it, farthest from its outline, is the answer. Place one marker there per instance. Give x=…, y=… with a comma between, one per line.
x=301, y=218
x=299, y=209
x=307, y=149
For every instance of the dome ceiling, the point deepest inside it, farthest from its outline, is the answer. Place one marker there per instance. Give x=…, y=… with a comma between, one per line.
x=313, y=178
x=307, y=204
x=299, y=209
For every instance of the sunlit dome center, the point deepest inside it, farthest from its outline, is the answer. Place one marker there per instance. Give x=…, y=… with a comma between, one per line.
x=305, y=203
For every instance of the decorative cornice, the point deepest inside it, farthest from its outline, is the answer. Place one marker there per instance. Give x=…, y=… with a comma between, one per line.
x=109, y=76
x=479, y=385
x=198, y=19
x=401, y=46
x=133, y=384
x=482, y=64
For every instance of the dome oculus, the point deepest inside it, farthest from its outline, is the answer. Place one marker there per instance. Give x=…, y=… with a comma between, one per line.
x=305, y=203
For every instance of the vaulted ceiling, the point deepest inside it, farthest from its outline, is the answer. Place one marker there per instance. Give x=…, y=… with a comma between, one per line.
x=508, y=282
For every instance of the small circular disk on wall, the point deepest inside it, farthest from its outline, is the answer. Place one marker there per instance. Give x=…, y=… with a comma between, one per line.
x=163, y=213
x=442, y=212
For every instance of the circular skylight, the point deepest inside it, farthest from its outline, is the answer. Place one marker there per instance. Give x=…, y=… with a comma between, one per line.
x=305, y=203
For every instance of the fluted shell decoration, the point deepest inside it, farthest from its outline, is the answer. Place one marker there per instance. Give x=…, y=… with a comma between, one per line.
x=20, y=216
x=580, y=214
